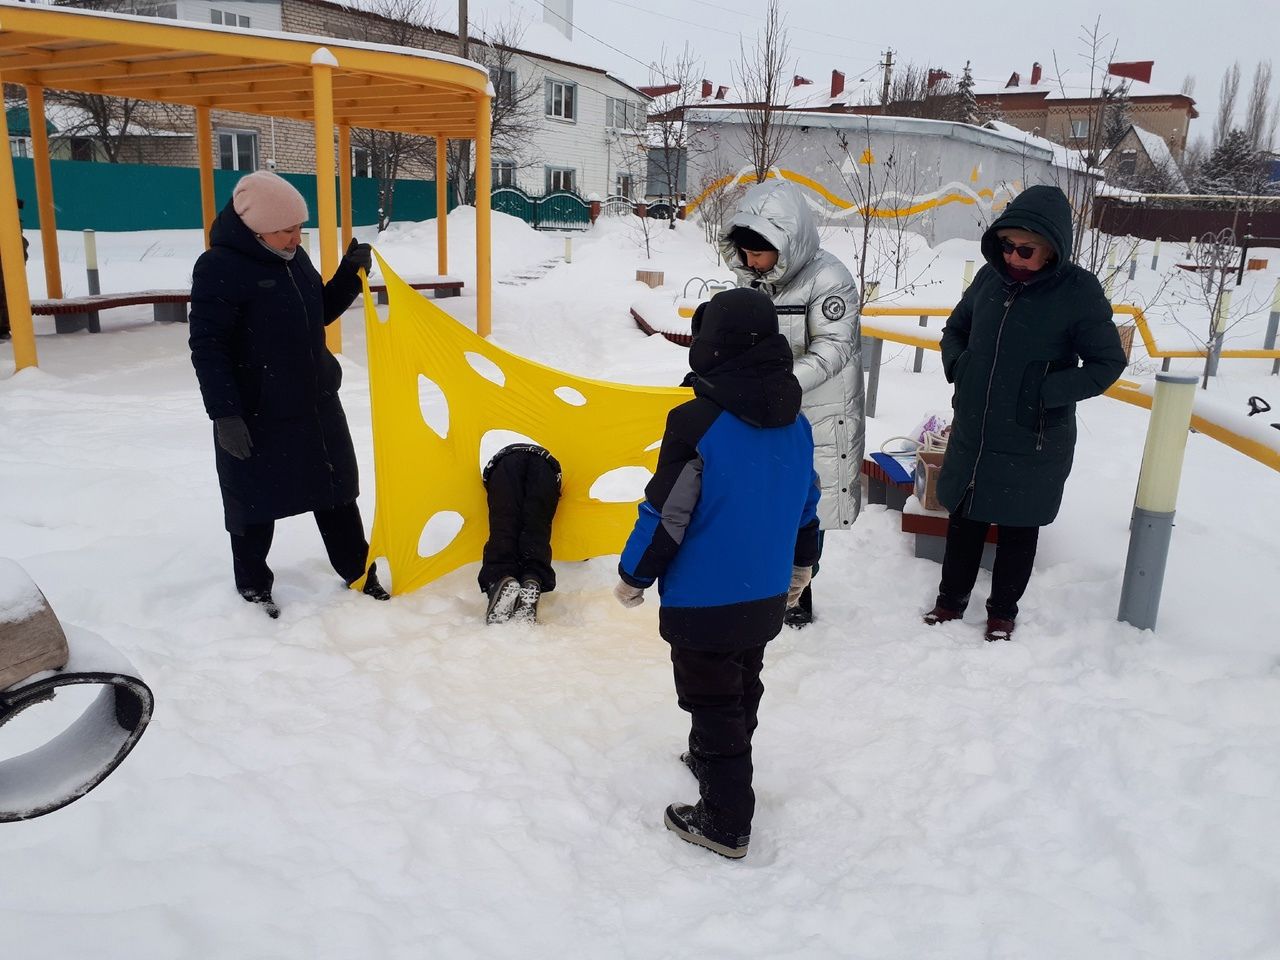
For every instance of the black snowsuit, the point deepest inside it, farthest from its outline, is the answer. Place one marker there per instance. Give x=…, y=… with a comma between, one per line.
x=523, y=485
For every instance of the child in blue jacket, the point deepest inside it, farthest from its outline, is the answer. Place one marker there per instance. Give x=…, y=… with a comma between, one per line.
x=729, y=529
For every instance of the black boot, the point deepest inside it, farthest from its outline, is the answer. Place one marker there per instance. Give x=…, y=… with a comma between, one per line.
x=263, y=599
x=527, y=608
x=372, y=588
x=801, y=615
x=689, y=824
x=503, y=596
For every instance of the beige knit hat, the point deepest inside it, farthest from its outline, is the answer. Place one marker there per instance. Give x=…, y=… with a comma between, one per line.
x=267, y=203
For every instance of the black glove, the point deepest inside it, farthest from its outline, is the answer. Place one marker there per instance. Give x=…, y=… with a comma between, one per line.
x=233, y=436
x=359, y=255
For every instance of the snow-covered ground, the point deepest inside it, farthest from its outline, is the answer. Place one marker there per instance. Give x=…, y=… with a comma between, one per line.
x=366, y=780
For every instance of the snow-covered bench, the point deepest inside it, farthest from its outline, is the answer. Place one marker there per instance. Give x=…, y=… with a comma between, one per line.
x=79, y=313
x=888, y=481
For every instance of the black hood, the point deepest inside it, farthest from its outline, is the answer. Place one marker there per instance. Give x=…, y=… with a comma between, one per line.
x=1040, y=209
x=756, y=385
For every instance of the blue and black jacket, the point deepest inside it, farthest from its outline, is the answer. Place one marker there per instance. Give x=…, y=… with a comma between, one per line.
x=731, y=507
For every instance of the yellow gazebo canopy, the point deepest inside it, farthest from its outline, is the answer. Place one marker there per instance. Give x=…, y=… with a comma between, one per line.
x=325, y=81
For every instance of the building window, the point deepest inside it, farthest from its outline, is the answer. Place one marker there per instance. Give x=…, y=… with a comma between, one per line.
x=227, y=19
x=561, y=178
x=504, y=84
x=238, y=149
x=167, y=10
x=361, y=162
x=82, y=148
x=562, y=100
x=1128, y=165
x=504, y=173
x=622, y=114
x=625, y=185
x=1079, y=129
x=20, y=146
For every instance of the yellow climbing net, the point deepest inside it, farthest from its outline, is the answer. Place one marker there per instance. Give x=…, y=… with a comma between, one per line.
x=428, y=480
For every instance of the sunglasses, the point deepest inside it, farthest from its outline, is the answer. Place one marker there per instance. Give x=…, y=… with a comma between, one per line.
x=1021, y=249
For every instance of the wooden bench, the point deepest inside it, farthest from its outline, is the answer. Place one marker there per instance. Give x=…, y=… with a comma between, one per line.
x=888, y=482
x=443, y=287
x=930, y=530
x=79, y=313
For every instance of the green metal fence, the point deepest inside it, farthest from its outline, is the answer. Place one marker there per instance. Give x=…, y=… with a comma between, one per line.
x=129, y=196
x=560, y=210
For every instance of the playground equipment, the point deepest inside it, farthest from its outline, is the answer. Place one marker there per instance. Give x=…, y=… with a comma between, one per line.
x=37, y=659
x=340, y=83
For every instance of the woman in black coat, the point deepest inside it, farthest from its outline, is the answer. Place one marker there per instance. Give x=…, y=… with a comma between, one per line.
x=270, y=385
x=1031, y=336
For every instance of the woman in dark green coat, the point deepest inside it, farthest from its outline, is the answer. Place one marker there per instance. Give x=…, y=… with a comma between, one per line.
x=1030, y=337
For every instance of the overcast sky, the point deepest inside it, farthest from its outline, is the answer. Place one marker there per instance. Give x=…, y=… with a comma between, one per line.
x=1182, y=36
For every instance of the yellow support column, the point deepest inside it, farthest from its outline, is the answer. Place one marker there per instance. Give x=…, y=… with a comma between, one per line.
x=44, y=193
x=204, y=147
x=442, y=205
x=344, y=182
x=15, y=269
x=484, y=176
x=322, y=64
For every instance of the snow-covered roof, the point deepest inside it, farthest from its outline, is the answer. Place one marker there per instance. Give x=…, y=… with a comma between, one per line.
x=1062, y=156
x=1072, y=85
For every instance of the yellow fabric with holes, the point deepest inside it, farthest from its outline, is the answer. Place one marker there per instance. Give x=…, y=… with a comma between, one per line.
x=420, y=474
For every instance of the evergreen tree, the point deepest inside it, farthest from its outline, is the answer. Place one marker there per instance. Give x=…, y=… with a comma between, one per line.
x=968, y=102
x=1234, y=167
x=1115, y=115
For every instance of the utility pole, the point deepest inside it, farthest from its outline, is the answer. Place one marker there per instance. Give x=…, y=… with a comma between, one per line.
x=888, y=77
x=464, y=146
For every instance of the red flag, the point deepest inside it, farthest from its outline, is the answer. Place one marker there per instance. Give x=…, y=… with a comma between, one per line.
x=1132, y=70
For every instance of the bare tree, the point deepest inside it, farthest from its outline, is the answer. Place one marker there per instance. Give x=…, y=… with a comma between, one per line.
x=1227, y=92
x=669, y=127
x=1213, y=255
x=513, y=117
x=1261, y=114
x=762, y=77
x=398, y=22
x=924, y=92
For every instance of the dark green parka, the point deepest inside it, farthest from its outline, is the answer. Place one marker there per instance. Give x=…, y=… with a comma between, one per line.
x=1020, y=356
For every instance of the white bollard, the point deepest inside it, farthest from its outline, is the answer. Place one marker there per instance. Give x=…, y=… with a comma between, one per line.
x=91, y=261
x=1273, y=322
x=568, y=249
x=1155, y=254
x=1151, y=527
x=968, y=276
x=1109, y=283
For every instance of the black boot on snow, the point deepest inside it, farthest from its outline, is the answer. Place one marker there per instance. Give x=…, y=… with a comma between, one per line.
x=373, y=588
x=503, y=596
x=263, y=599
x=527, y=608
x=801, y=615
x=688, y=824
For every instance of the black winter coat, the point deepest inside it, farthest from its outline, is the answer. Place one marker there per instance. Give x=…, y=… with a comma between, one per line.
x=257, y=344
x=1020, y=356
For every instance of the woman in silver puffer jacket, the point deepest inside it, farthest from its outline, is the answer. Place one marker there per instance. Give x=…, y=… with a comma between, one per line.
x=771, y=244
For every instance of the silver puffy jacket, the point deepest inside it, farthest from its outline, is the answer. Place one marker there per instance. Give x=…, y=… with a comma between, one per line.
x=817, y=305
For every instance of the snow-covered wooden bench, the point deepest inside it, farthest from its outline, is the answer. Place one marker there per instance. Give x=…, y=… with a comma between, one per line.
x=443, y=287
x=79, y=313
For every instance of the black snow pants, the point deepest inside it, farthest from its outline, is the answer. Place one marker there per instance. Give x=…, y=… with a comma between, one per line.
x=523, y=484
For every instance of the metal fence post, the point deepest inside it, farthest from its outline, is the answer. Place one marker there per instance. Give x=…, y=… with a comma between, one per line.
x=915, y=367
x=1273, y=321
x=1155, y=254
